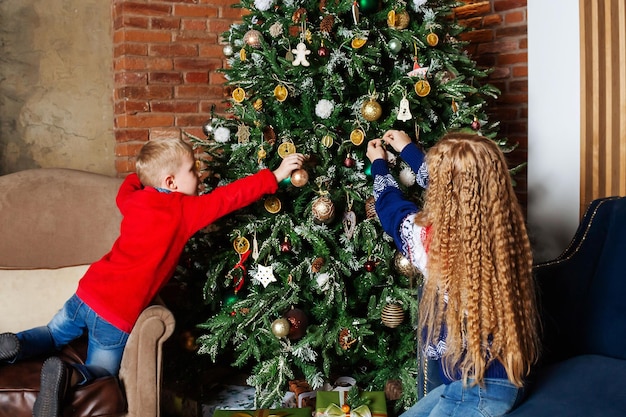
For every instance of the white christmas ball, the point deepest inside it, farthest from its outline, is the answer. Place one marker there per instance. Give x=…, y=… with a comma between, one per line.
x=221, y=134
x=323, y=281
x=228, y=50
x=324, y=108
x=417, y=4
x=263, y=5
x=406, y=177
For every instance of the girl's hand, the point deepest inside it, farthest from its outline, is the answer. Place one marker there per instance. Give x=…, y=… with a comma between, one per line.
x=376, y=150
x=398, y=139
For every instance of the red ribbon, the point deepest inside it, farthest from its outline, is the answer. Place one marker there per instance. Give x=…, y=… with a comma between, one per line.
x=238, y=281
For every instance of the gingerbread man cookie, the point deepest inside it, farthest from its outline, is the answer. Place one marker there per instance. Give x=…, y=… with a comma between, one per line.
x=301, y=52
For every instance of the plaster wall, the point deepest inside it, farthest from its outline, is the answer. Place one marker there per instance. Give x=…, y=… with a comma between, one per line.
x=553, y=125
x=56, y=83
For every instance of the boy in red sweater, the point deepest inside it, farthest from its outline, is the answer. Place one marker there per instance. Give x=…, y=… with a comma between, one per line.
x=161, y=211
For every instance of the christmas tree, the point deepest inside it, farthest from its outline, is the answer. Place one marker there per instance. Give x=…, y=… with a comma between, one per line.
x=304, y=284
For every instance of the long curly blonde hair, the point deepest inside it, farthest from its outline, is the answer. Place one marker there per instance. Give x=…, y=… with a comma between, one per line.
x=479, y=267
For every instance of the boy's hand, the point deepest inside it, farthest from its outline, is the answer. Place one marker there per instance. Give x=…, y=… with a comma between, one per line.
x=290, y=163
x=375, y=150
x=398, y=139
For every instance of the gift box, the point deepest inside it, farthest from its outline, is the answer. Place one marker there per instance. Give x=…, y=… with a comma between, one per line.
x=277, y=412
x=300, y=395
x=228, y=397
x=330, y=403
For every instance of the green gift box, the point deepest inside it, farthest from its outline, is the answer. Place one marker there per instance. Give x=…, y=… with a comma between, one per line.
x=329, y=403
x=265, y=412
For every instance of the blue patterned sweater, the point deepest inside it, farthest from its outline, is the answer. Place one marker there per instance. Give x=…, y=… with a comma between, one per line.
x=397, y=217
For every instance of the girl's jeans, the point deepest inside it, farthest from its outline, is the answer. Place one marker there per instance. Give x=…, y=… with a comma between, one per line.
x=105, y=343
x=495, y=398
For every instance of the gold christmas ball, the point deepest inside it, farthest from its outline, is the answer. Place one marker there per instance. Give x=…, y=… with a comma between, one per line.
x=403, y=266
x=253, y=38
x=299, y=177
x=323, y=210
x=280, y=327
x=392, y=315
x=371, y=110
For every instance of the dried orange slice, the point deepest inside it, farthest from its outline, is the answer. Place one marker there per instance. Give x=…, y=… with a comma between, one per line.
x=358, y=42
x=391, y=18
x=286, y=148
x=272, y=204
x=432, y=39
x=242, y=55
x=357, y=136
x=327, y=141
x=280, y=92
x=241, y=245
x=422, y=88
x=239, y=94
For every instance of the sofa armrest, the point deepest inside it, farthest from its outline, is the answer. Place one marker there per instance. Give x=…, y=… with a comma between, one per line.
x=140, y=372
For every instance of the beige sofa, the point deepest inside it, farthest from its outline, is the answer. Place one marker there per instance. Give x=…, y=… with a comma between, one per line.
x=53, y=224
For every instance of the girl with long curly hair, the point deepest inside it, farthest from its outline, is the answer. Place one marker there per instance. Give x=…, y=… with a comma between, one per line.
x=477, y=313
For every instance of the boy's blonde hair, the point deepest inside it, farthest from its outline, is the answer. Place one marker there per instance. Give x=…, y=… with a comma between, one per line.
x=480, y=280
x=159, y=158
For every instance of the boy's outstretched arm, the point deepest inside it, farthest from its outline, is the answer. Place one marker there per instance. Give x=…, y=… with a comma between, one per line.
x=289, y=164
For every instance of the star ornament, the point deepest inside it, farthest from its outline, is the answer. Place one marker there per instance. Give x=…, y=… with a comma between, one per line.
x=265, y=275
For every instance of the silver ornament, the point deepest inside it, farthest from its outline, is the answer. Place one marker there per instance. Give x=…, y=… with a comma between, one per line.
x=394, y=45
x=228, y=50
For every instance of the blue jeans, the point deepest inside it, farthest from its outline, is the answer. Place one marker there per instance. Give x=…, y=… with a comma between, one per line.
x=495, y=398
x=105, y=342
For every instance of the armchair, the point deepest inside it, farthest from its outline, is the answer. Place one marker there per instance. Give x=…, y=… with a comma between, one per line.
x=583, y=300
x=54, y=223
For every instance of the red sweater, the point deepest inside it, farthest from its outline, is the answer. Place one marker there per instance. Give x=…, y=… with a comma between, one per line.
x=154, y=230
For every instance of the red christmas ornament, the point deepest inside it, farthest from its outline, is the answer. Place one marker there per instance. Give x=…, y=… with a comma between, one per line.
x=323, y=52
x=285, y=247
x=370, y=266
x=298, y=322
x=349, y=162
x=475, y=124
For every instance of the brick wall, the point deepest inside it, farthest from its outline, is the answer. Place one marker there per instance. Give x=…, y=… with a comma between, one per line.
x=499, y=41
x=166, y=53
x=165, y=57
